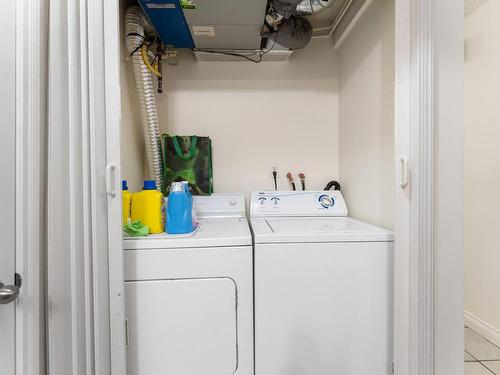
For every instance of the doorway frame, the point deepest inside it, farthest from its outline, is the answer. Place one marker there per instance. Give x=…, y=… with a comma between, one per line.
x=428, y=313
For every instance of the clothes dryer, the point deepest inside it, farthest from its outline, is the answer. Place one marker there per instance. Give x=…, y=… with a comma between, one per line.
x=189, y=298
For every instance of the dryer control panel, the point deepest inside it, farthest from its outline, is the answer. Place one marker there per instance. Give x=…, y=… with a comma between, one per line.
x=297, y=203
x=220, y=205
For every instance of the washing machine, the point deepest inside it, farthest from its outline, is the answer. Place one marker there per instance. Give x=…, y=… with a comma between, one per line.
x=323, y=287
x=189, y=298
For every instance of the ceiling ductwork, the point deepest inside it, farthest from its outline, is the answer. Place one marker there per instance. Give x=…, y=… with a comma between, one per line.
x=286, y=24
x=222, y=30
x=287, y=8
x=284, y=8
x=311, y=7
x=293, y=33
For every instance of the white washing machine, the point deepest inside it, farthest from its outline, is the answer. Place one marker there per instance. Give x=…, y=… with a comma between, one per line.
x=323, y=287
x=189, y=299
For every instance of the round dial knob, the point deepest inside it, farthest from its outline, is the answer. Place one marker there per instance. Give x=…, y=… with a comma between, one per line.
x=326, y=201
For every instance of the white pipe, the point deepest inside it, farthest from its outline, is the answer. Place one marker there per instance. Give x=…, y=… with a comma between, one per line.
x=135, y=23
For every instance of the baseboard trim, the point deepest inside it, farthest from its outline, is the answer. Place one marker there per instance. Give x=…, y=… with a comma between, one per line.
x=484, y=329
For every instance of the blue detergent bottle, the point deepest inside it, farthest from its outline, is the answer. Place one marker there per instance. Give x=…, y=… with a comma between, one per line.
x=179, y=210
x=185, y=184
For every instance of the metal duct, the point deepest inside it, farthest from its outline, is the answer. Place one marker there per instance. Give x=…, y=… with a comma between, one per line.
x=310, y=7
x=135, y=23
x=285, y=8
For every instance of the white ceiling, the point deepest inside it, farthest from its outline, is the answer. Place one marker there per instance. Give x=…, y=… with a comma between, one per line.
x=472, y=5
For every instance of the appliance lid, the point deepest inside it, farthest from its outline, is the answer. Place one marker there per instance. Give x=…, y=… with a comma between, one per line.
x=212, y=232
x=317, y=229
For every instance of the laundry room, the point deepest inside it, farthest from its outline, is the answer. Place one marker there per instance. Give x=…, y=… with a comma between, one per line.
x=274, y=126
x=260, y=131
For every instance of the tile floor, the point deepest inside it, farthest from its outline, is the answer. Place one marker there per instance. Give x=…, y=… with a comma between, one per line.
x=481, y=356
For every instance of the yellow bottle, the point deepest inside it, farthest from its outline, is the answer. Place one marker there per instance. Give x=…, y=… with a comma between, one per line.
x=126, y=200
x=147, y=207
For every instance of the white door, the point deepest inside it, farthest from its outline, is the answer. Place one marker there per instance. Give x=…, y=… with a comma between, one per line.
x=182, y=326
x=7, y=186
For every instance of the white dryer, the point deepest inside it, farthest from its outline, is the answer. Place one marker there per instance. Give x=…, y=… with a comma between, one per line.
x=189, y=299
x=323, y=287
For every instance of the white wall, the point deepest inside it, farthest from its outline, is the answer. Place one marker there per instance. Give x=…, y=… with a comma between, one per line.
x=482, y=169
x=258, y=116
x=366, y=102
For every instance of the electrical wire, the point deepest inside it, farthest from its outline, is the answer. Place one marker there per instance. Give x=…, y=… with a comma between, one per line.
x=153, y=67
x=139, y=47
x=246, y=57
x=144, y=54
x=271, y=48
x=156, y=55
x=260, y=53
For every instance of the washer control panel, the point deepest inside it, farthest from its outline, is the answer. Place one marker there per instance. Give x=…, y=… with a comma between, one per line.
x=297, y=203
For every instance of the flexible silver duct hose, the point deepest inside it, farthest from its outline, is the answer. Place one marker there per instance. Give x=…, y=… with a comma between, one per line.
x=135, y=23
x=309, y=7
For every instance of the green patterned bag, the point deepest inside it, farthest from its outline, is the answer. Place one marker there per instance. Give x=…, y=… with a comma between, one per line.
x=187, y=159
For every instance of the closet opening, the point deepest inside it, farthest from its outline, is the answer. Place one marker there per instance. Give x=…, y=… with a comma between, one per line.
x=260, y=111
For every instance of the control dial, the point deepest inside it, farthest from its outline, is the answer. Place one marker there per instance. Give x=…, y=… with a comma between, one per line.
x=326, y=201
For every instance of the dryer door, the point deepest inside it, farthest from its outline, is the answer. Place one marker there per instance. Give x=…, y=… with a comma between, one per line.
x=181, y=327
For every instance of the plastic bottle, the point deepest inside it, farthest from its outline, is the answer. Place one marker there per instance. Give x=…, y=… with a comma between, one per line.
x=179, y=210
x=147, y=207
x=194, y=219
x=126, y=201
